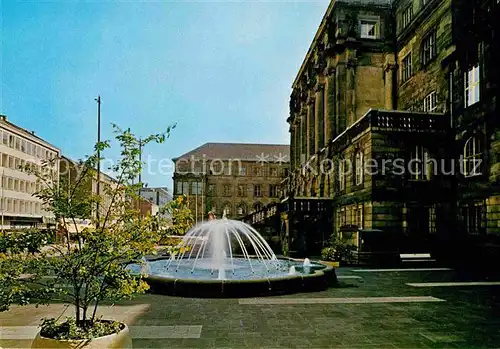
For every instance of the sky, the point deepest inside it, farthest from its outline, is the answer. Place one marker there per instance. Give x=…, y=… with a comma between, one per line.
x=220, y=70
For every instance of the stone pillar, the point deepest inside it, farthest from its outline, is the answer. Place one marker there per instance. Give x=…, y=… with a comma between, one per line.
x=319, y=120
x=340, y=89
x=310, y=126
x=303, y=134
x=291, y=129
x=329, y=105
x=389, y=70
x=350, y=93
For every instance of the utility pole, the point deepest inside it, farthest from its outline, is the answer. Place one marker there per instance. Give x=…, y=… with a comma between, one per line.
x=98, y=100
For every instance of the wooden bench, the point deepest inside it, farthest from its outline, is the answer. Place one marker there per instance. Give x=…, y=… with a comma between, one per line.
x=416, y=257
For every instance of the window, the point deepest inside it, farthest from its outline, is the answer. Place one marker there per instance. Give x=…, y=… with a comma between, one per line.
x=257, y=190
x=407, y=16
x=227, y=190
x=359, y=167
x=216, y=168
x=227, y=209
x=406, y=68
x=430, y=102
x=273, y=190
x=357, y=216
x=473, y=217
x=212, y=189
x=341, y=175
x=420, y=166
x=185, y=188
x=242, y=190
x=368, y=29
x=242, y=209
x=432, y=219
x=472, y=157
x=342, y=216
x=243, y=171
x=274, y=172
x=196, y=188
x=429, y=47
x=257, y=206
x=257, y=171
x=5, y=138
x=472, y=86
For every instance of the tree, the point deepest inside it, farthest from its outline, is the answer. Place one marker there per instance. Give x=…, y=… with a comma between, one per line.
x=95, y=266
x=181, y=216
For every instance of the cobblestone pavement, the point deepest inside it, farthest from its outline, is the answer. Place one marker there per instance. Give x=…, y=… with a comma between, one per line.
x=376, y=309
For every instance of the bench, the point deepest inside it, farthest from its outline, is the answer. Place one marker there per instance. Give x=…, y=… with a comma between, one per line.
x=416, y=257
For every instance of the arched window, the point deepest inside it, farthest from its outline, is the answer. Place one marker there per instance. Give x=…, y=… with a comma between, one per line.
x=472, y=157
x=242, y=209
x=358, y=161
x=227, y=209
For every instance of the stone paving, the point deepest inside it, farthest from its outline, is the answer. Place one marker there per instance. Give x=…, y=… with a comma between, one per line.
x=373, y=310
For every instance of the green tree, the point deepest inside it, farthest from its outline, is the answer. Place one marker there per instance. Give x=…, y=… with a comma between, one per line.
x=181, y=216
x=95, y=266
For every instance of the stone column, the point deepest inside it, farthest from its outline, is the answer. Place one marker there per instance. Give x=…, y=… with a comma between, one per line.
x=340, y=88
x=350, y=93
x=329, y=105
x=291, y=129
x=303, y=134
x=389, y=70
x=310, y=126
x=319, y=119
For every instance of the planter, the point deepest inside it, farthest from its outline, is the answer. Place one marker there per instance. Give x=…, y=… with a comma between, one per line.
x=331, y=264
x=120, y=340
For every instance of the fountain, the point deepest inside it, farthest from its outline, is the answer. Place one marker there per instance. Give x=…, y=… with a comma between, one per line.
x=223, y=257
x=307, y=262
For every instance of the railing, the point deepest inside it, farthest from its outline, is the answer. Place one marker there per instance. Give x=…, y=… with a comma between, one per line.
x=413, y=122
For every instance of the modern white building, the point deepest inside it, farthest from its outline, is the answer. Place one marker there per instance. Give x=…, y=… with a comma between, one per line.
x=18, y=148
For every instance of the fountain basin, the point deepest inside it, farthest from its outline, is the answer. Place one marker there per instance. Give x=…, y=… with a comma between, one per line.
x=242, y=283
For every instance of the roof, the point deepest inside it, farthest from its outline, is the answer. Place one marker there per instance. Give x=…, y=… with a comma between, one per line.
x=238, y=151
x=27, y=133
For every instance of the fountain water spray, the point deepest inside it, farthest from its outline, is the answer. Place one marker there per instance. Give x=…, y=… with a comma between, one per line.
x=210, y=245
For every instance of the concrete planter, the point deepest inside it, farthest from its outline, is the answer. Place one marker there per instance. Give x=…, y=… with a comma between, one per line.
x=120, y=340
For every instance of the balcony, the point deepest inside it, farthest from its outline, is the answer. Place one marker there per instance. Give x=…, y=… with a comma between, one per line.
x=392, y=121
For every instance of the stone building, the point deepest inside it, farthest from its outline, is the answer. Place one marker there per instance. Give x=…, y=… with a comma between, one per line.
x=231, y=178
x=474, y=77
x=19, y=148
x=370, y=128
x=393, y=129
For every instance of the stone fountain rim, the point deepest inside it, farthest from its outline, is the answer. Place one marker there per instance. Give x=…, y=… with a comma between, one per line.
x=212, y=288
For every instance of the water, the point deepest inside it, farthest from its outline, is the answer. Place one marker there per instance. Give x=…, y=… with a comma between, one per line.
x=307, y=262
x=226, y=249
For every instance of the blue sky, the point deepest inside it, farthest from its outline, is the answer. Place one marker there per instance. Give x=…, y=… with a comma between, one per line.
x=221, y=70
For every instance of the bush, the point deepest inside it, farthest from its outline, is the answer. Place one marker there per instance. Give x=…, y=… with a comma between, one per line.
x=328, y=254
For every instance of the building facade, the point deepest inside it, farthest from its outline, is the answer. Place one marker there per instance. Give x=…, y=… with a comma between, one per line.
x=231, y=178
x=395, y=101
x=20, y=148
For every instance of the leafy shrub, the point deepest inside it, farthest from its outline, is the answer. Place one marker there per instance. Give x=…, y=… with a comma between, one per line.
x=68, y=330
x=328, y=254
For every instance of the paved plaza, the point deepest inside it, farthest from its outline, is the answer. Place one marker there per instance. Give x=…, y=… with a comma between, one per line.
x=435, y=308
